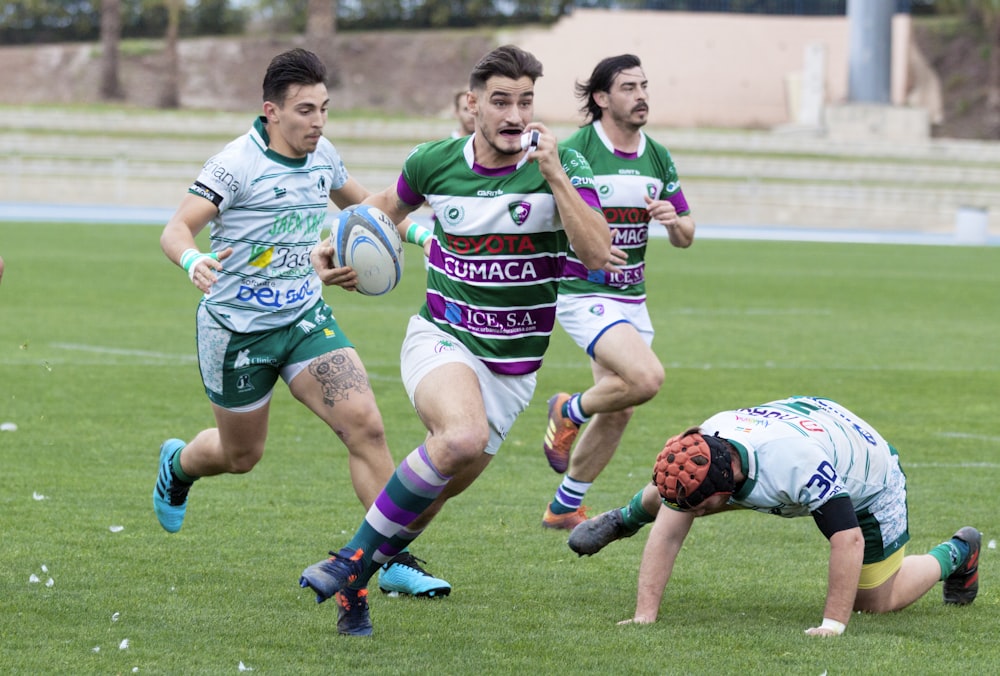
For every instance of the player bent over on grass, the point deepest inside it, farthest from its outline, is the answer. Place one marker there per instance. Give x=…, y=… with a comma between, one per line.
x=606, y=314
x=794, y=457
x=263, y=314
x=506, y=208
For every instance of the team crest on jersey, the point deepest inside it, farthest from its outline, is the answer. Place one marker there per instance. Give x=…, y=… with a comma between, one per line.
x=321, y=184
x=453, y=215
x=605, y=190
x=444, y=346
x=260, y=256
x=519, y=212
x=651, y=190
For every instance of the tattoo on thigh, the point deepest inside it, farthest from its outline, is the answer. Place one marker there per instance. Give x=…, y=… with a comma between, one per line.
x=338, y=375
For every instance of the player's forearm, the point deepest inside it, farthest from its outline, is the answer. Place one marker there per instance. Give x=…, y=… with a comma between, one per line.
x=681, y=234
x=588, y=232
x=664, y=542
x=847, y=550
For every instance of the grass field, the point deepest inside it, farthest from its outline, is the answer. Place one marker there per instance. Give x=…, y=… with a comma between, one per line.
x=97, y=368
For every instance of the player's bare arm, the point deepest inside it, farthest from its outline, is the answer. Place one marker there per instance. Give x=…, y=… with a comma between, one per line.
x=586, y=228
x=664, y=542
x=191, y=217
x=847, y=550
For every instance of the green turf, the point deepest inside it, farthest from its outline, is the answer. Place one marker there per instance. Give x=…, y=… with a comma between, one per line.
x=97, y=368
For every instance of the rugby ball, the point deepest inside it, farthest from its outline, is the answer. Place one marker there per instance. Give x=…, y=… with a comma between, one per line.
x=365, y=239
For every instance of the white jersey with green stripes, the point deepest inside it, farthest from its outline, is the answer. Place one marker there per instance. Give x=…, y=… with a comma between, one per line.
x=623, y=183
x=498, y=251
x=271, y=211
x=802, y=451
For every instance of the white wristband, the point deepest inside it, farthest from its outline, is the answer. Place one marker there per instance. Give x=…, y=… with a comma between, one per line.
x=833, y=625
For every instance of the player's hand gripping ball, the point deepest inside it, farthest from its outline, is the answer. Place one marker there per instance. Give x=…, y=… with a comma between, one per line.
x=365, y=239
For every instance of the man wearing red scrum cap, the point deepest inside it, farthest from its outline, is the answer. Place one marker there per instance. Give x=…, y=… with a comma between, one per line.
x=794, y=457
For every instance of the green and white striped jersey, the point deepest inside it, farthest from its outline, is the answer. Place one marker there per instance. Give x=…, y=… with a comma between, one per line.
x=800, y=452
x=271, y=211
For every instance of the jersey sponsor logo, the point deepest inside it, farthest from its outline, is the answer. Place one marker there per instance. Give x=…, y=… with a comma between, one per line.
x=582, y=182
x=260, y=256
x=672, y=187
x=631, y=236
x=494, y=244
x=308, y=223
x=627, y=277
x=203, y=190
x=244, y=384
x=628, y=172
x=632, y=215
x=491, y=321
x=597, y=310
x=519, y=212
x=279, y=193
x=244, y=359
x=575, y=160
x=453, y=215
x=489, y=193
x=222, y=175
x=267, y=296
x=490, y=271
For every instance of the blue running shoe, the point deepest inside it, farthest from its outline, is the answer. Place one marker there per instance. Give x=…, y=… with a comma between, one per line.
x=352, y=613
x=404, y=575
x=170, y=494
x=331, y=575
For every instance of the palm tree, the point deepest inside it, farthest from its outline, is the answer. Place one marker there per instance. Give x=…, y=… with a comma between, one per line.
x=111, y=29
x=321, y=31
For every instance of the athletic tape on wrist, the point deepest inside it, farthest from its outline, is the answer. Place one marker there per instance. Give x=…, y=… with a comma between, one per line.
x=417, y=234
x=833, y=625
x=190, y=257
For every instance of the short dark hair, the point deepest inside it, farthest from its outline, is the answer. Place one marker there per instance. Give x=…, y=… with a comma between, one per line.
x=506, y=61
x=294, y=67
x=601, y=79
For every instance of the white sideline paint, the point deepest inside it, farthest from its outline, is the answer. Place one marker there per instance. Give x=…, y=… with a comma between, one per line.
x=122, y=352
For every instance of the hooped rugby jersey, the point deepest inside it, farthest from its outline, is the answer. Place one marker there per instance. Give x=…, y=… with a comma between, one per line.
x=498, y=251
x=622, y=185
x=271, y=211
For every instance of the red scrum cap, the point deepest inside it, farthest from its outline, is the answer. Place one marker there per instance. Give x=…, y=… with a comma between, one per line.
x=691, y=468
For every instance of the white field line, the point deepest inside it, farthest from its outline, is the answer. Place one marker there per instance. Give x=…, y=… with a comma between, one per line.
x=153, y=358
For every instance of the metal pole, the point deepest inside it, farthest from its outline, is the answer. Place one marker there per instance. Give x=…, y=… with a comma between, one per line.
x=869, y=70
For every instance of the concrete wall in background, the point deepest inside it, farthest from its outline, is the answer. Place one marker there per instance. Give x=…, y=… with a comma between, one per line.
x=704, y=69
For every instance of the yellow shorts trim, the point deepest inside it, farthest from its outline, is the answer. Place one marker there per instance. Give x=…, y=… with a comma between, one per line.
x=875, y=574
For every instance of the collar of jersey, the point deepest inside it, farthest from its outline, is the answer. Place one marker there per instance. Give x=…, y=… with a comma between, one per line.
x=260, y=127
x=748, y=467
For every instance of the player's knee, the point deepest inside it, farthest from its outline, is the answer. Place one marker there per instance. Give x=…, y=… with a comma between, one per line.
x=242, y=460
x=465, y=442
x=645, y=382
